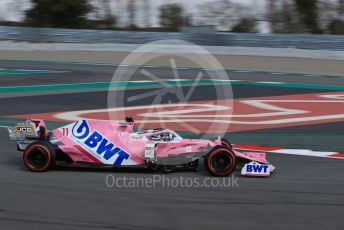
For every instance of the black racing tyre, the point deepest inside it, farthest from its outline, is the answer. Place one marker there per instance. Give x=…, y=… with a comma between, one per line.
x=220, y=161
x=39, y=156
x=226, y=143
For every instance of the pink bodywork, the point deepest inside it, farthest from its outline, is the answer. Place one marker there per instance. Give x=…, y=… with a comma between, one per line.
x=84, y=141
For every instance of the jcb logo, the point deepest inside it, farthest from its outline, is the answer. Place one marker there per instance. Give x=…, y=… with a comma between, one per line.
x=24, y=130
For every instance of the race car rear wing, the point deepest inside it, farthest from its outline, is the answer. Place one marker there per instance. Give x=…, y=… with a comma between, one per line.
x=30, y=129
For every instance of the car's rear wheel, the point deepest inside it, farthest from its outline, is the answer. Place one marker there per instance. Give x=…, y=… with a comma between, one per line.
x=226, y=143
x=39, y=156
x=220, y=161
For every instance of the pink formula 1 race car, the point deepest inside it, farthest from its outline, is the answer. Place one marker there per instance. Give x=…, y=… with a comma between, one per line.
x=118, y=144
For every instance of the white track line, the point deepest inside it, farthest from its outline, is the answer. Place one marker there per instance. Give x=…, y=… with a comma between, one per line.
x=297, y=152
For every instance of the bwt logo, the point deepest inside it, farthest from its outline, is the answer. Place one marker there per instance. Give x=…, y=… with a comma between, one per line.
x=257, y=168
x=98, y=146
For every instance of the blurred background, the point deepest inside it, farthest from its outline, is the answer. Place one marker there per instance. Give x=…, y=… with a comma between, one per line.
x=256, y=16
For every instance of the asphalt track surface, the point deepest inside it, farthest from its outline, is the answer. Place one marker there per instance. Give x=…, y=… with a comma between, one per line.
x=78, y=73
x=303, y=193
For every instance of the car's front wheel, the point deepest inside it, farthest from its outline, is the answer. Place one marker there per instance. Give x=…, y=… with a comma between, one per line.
x=39, y=156
x=220, y=161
